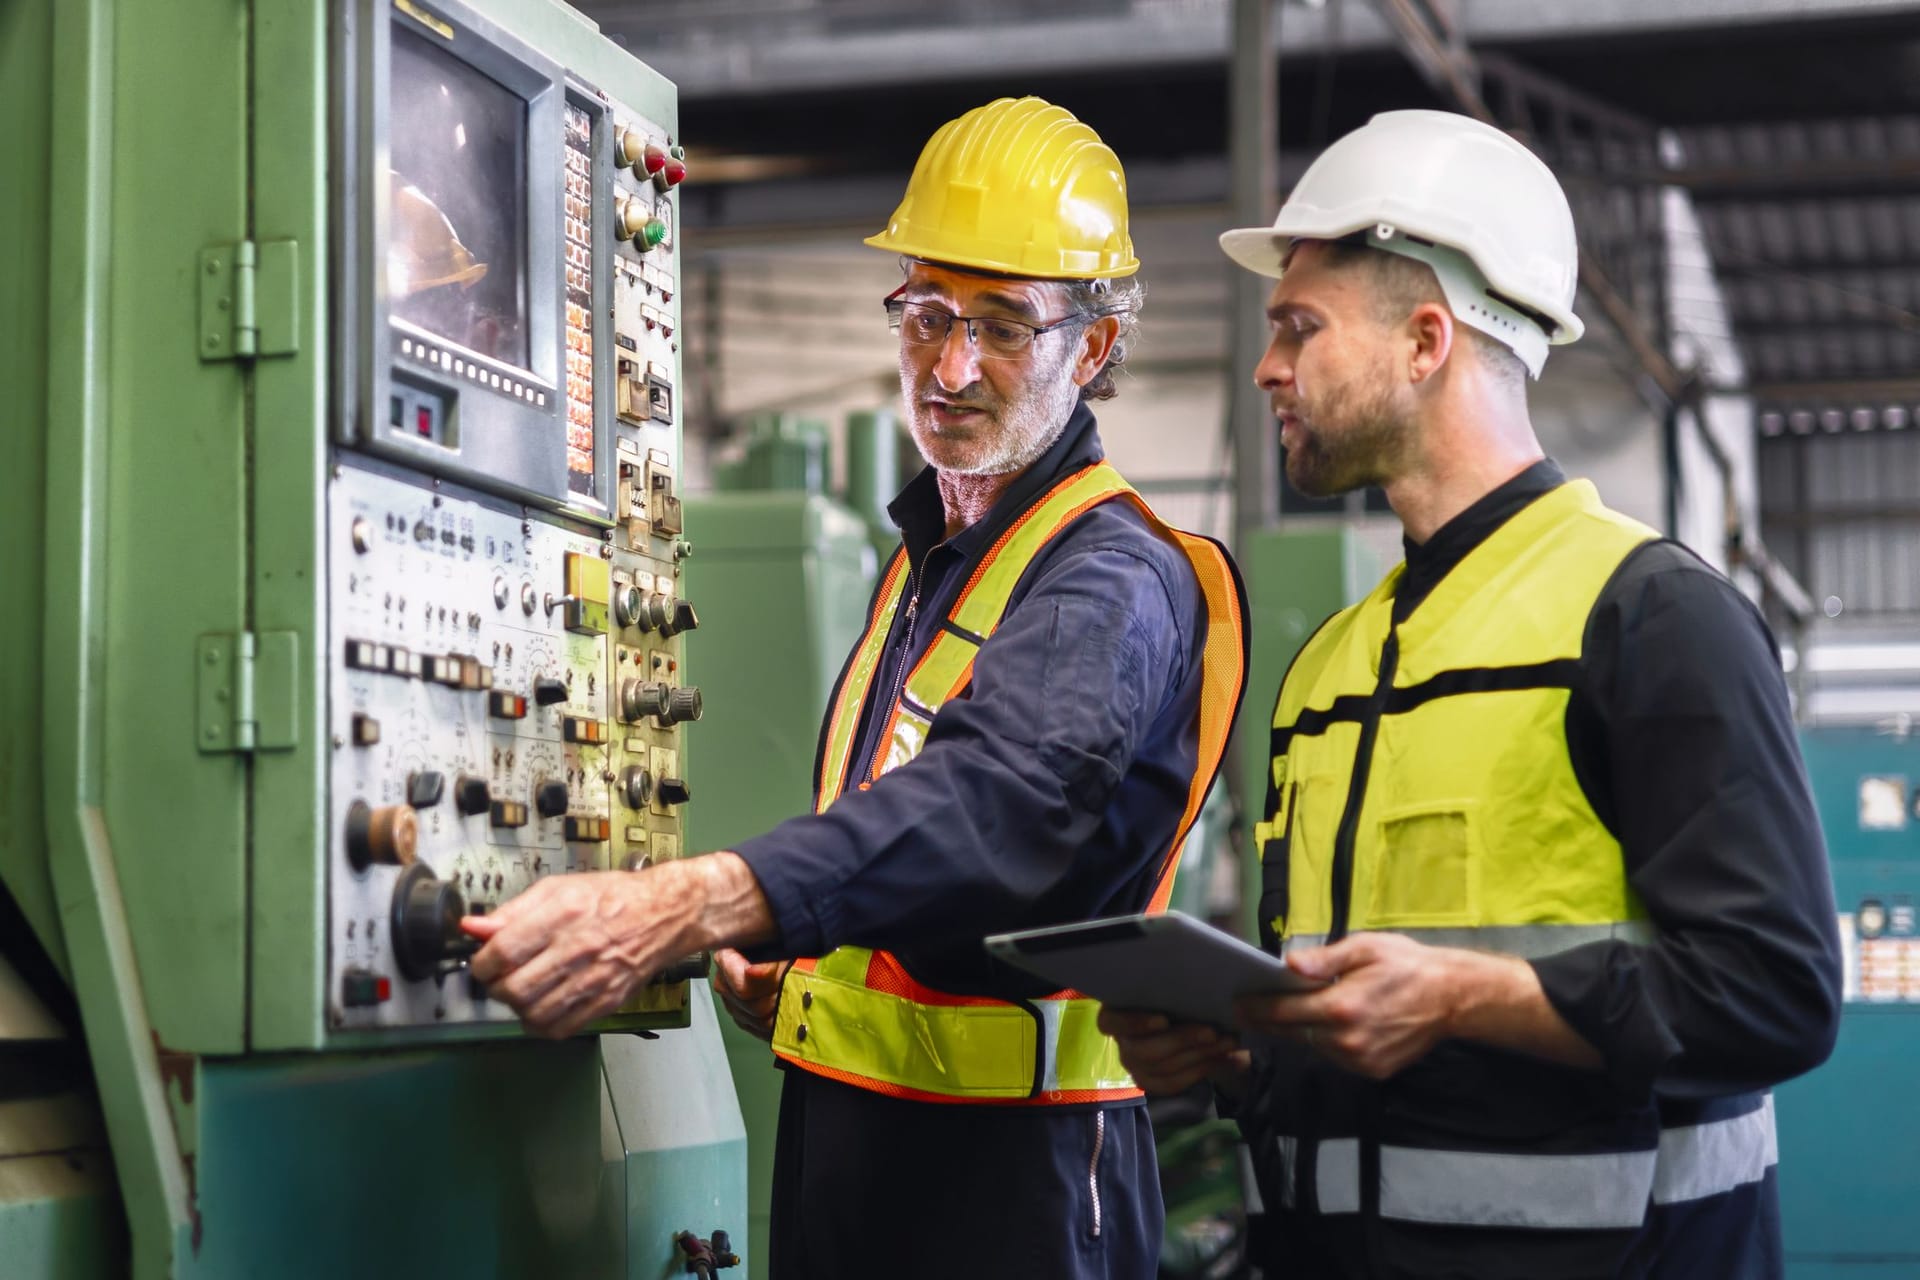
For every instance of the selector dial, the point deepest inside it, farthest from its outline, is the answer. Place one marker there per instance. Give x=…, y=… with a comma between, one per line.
x=636, y=787
x=642, y=698
x=550, y=798
x=547, y=691
x=472, y=795
x=426, y=923
x=674, y=791
x=681, y=618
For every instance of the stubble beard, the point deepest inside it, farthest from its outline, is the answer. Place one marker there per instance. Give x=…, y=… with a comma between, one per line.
x=1016, y=433
x=1357, y=438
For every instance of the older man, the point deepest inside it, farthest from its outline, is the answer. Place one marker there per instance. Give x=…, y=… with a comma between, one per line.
x=1022, y=737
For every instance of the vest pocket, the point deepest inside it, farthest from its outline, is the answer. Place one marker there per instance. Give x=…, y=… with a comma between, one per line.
x=1426, y=869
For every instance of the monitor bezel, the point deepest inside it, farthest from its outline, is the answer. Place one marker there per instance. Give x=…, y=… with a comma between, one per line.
x=506, y=445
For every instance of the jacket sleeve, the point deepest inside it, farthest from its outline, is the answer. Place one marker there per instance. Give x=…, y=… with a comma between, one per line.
x=995, y=811
x=1684, y=741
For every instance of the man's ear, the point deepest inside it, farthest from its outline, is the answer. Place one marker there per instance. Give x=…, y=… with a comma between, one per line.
x=1430, y=335
x=1096, y=345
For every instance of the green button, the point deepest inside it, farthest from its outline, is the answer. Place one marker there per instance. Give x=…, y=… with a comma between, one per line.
x=653, y=232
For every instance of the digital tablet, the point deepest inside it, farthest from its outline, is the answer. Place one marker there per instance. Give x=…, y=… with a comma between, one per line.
x=1171, y=964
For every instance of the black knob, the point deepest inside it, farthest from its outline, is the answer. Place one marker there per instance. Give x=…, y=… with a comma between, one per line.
x=472, y=795
x=425, y=788
x=547, y=691
x=636, y=787
x=551, y=798
x=683, y=619
x=683, y=704
x=642, y=698
x=674, y=791
x=654, y=612
x=426, y=923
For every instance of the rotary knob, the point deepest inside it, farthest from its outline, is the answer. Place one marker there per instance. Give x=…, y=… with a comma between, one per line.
x=426, y=923
x=390, y=834
x=683, y=704
x=636, y=787
x=547, y=691
x=472, y=795
x=674, y=791
x=551, y=798
x=642, y=698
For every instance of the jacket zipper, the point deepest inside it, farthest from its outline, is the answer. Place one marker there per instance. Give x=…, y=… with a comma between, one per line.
x=1093, y=1166
x=1342, y=886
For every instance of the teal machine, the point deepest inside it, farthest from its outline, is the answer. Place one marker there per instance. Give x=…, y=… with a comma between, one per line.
x=1849, y=1131
x=345, y=596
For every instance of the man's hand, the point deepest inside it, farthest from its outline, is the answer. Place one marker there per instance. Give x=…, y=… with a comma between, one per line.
x=1164, y=1056
x=751, y=991
x=1393, y=999
x=575, y=947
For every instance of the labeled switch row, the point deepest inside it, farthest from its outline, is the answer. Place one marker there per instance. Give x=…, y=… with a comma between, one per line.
x=547, y=691
x=455, y=670
x=651, y=611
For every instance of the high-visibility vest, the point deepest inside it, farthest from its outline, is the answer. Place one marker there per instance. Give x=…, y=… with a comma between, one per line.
x=1422, y=784
x=857, y=1016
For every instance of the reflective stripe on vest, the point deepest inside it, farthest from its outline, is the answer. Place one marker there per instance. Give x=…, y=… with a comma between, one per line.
x=1601, y=1191
x=857, y=1016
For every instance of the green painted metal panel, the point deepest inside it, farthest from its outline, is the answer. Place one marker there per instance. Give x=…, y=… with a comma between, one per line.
x=26, y=62
x=1296, y=578
x=289, y=431
x=481, y=1163
x=175, y=515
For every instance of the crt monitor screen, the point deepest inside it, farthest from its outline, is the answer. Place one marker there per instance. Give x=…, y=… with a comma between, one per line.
x=457, y=222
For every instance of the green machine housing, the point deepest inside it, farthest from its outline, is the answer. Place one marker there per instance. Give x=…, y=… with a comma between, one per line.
x=346, y=546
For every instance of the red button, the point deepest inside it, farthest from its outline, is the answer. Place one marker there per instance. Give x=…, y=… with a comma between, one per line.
x=676, y=172
x=423, y=421
x=383, y=990
x=654, y=158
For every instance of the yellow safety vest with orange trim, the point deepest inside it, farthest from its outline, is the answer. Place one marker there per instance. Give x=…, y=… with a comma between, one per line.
x=857, y=1016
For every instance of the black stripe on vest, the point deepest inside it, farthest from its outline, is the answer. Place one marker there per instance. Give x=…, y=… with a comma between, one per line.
x=948, y=624
x=1561, y=673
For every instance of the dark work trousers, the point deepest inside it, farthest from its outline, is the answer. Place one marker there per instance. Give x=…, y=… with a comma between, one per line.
x=865, y=1185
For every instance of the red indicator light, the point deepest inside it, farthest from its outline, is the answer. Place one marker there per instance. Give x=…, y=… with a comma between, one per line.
x=423, y=420
x=383, y=990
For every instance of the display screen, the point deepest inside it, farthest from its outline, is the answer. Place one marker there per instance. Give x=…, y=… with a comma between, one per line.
x=457, y=217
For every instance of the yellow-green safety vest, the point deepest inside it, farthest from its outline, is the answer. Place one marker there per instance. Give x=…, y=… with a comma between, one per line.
x=1421, y=781
x=857, y=1016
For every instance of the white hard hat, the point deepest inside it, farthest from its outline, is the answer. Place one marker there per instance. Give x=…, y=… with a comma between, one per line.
x=1449, y=191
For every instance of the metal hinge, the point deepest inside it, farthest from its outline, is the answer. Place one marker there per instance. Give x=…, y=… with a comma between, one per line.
x=250, y=300
x=248, y=691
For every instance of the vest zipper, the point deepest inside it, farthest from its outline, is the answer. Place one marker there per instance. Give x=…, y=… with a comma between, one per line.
x=900, y=677
x=1093, y=1166
x=1342, y=887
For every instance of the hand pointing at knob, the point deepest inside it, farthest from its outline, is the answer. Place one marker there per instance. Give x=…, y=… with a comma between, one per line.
x=574, y=948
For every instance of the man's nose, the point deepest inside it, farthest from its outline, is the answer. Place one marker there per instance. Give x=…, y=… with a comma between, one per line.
x=959, y=363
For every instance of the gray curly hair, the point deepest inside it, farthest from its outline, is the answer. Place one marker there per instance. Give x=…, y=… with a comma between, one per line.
x=1122, y=299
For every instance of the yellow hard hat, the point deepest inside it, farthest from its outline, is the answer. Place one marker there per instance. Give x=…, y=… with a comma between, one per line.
x=1018, y=187
x=424, y=251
